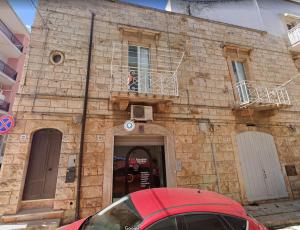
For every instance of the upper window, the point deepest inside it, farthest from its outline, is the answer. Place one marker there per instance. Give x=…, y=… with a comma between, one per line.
x=240, y=79
x=239, y=63
x=139, y=77
x=239, y=71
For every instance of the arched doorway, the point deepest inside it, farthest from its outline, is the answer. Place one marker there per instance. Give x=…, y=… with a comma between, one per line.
x=43, y=163
x=260, y=166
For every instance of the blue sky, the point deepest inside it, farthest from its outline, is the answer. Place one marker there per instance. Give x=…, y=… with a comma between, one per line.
x=26, y=11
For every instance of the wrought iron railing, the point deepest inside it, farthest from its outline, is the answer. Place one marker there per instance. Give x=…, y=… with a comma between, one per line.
x=7, y=70
x=294, y=34
x=252, y=94
x=154, y=75
x=4, y=106
x=147, y=81
x=11, y=36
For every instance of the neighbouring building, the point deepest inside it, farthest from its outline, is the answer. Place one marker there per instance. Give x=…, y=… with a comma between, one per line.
x=14, y=39
x=211, y=102
x=276, y=17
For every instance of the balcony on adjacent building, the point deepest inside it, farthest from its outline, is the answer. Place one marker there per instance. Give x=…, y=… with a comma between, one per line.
x=144, y=75
x=294, y=36
x=11, y=46
x=4, y=107
x=258, y=97
x=8, y=75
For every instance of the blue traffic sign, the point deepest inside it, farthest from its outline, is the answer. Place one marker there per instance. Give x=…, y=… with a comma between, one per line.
x=7, y=122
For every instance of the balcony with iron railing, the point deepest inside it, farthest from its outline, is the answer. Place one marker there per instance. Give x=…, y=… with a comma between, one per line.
x=145, y=81
x=8, y=75
x=294, y=36
x=259, y=97
x=152, y=79
x=11, y=37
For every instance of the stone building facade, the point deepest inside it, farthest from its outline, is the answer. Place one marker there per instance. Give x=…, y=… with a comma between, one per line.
x=203, y=129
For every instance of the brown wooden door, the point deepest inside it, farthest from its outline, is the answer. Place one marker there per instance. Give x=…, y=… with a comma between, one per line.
x=43, y=165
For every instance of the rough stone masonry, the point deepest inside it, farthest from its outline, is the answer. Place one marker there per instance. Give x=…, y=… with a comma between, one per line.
x=51, y=96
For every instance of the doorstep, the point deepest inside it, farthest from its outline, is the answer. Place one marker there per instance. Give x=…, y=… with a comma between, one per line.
x=49, y=224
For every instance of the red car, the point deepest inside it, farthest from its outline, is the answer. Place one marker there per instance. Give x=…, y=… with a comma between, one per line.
x=170, y=209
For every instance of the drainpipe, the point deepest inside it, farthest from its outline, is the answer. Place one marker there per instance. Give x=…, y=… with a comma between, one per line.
x=83, y=122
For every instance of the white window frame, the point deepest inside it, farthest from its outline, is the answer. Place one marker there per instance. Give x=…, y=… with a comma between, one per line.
x=241, y=84
x=146, y=85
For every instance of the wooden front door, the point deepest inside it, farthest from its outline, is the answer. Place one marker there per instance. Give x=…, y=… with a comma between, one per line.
x=43, y=165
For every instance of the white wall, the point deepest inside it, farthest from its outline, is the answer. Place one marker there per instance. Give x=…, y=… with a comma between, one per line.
x=272, y=12
x=256, y=14
x=2, y=57
x=242, y=13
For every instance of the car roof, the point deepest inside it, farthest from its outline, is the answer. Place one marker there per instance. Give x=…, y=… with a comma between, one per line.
x=166, y=201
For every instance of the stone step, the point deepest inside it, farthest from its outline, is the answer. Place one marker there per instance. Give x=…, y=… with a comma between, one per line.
x=31, y=204
x=50, y=224
x=32, y=214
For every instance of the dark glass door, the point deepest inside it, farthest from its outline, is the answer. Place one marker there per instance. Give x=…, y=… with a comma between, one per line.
x=137, y=168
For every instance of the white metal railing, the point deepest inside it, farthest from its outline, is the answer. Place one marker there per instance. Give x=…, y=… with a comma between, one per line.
x=250, y=93
x=158, y=75
x=294, y=34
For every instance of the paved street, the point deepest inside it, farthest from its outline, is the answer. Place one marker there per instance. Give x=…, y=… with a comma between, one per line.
x=294, y=227
x=272, y=215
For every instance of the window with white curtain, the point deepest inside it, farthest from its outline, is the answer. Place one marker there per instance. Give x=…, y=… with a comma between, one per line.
x=139, y=78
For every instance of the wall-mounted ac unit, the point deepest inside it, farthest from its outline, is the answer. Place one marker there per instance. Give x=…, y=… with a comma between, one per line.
x=141, y=113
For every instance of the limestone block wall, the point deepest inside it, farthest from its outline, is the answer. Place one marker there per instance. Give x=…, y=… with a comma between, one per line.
x=13, y=172
x=51, y=96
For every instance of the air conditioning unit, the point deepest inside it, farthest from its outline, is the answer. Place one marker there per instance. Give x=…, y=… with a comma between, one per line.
x=141, y=113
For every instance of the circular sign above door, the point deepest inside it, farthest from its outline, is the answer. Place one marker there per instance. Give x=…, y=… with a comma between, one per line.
x=129, y=125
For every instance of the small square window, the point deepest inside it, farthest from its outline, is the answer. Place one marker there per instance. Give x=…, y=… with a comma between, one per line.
x=291, y=170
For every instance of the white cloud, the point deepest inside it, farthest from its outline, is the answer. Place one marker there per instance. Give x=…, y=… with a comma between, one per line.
x=28, y=27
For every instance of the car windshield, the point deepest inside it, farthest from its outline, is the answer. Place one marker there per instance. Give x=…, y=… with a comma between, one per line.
x=119, y=215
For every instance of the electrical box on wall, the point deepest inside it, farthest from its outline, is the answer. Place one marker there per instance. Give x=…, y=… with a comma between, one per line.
x=70, y=176
x=71, y=161
x=71, y=170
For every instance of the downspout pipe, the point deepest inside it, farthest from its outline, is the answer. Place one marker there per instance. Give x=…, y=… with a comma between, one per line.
x=83, y=122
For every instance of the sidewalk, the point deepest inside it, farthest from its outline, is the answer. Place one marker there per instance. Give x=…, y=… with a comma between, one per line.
x=278, y=214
